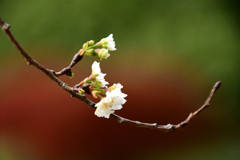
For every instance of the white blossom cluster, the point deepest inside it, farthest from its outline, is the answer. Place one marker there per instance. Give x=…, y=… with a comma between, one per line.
x=114, y=98
x=113, y=101
x=107, y=44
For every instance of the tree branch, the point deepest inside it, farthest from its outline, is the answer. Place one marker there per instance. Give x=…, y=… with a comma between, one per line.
x=76, y=58
x=170, y=127
x=72, y=90
x=50, y=73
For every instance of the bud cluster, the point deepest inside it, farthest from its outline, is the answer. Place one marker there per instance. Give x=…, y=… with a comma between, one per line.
x=100, y=49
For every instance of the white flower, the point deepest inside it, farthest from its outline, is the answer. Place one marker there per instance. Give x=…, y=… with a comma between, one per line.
x=97, y=74
x=116, y=96
x=113, y=101
x=103, y=109
x=108, y=43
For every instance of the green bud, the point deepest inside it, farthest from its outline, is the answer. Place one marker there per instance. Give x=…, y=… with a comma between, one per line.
x=89, y=52
x=85, y=46
x=72, y=75
x=102, y=53
x=91, y=42
x=81, y=91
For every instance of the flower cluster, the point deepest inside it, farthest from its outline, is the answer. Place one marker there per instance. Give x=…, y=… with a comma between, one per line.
x=101, y=48
x=113, y=101
x=112, y=98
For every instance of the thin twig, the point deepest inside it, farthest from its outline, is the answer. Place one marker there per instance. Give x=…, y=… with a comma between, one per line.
x=72, y=90
x=68, y=70
x=170, y=127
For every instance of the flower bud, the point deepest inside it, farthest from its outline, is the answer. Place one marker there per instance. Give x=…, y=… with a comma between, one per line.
x=85, y=46
x=81, y=91
x=91, y=43
x=90, y=52
x=95, y=93
x=81, y=52
x=102, y=53
x=72, y=75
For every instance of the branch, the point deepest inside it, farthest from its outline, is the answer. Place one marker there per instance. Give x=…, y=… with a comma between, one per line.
x=72, y=90
x=170, y=127
x=50, y=73
x=76, y=58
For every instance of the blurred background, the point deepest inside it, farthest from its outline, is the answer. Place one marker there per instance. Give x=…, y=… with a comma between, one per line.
x=169, y=55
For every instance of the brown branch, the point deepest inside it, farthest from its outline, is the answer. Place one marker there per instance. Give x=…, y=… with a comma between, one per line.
x=73, y=91
x=170, y=127
x=50, y=73
x=76, y=58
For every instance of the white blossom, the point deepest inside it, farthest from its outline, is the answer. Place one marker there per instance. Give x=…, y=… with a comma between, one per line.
x=97, y=74
x=103, y=108
x=113, y=101
x=108, y=43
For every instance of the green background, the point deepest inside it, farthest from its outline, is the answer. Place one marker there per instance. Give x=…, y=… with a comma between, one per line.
x=169, y=54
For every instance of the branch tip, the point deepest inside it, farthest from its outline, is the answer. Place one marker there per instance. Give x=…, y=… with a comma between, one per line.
x=4, y=25
x=217, y=85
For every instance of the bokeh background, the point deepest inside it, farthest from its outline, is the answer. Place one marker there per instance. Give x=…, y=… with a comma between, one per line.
x=169, y=55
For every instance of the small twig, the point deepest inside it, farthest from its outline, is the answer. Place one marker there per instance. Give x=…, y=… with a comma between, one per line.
x=68, y=70
x=73, y=90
